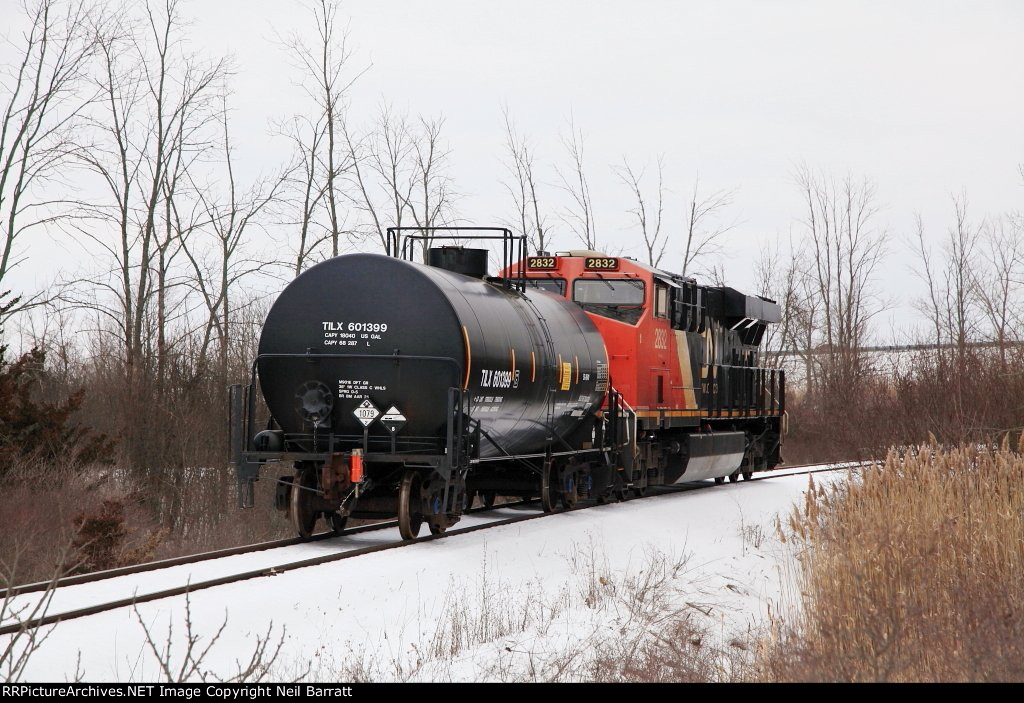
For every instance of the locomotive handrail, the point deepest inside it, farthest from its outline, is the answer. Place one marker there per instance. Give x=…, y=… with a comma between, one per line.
x=631, y=441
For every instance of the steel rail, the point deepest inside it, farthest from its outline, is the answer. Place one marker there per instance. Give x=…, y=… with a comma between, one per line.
x=93, y=576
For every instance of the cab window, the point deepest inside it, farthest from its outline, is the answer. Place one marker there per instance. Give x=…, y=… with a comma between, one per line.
x=620, y=299
x=660, y=300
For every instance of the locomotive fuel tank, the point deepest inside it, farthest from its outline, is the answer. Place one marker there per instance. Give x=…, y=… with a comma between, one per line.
x=367, y=327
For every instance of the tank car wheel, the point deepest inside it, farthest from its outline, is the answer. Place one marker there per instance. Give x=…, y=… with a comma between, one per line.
x=301, y=506
x=719, y=480
x=487, y=499
x=734, y=477
x=747, y=475
x=548, y=493
x=410, y=517
x=337, y=522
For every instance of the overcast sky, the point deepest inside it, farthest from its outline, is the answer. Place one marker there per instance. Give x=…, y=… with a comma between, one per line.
x=924, y=98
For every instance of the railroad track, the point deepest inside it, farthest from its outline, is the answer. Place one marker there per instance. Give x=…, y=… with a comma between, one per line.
x=271, y=568
x=94, y=576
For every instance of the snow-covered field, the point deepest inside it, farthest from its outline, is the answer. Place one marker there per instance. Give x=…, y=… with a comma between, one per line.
x=500, y=603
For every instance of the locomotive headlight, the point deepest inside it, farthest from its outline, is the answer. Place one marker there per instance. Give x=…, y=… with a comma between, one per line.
x=314, y=402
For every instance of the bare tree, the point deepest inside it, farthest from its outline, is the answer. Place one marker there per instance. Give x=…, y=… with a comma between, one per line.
x=997, y=284
x=523, y=188
x=381, y=170
x=931, y=307
x=649, y=222
x=431, y=200
x=325, y=154
x=704, y=227
x=153, y=92
x=955, y=285
x=305, y=191
x=181, y=217
x=42, y=97
x=231, y=215
x=149, y=125
x=401, y=174
x=845, y=247
x=782, y=276
x=780, y=280
x=580, y=214
x=961, y=291
x=961, y=248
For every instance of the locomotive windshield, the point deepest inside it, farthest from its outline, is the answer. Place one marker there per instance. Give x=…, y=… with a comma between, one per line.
x=552, y=285
x=621, y=299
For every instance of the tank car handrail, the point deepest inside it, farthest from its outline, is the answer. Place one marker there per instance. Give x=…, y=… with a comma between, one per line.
x=337, y=355
x=394, y=235
x=537, y=455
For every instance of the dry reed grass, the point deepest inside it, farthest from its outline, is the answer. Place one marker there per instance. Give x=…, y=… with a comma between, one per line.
x=910, y=572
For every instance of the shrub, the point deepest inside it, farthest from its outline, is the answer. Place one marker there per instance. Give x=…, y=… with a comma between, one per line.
x=33, y=426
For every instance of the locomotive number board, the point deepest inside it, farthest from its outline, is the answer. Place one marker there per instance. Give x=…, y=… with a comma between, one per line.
x=600, y=263
x=542, y=263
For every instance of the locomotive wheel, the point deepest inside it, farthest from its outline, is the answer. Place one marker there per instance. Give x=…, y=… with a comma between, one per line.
x=548, y=493
x=337, y=522
x=734, y=476
x=570, y=494
x=487, y=499
x=719, y=480
x=620, y=492
x=747, y=475
x=410, y=515
x=301, y=506
x=437, y=529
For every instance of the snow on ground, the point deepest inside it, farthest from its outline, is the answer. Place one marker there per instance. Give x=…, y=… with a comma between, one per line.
x=70, y=598
x=499, y=603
